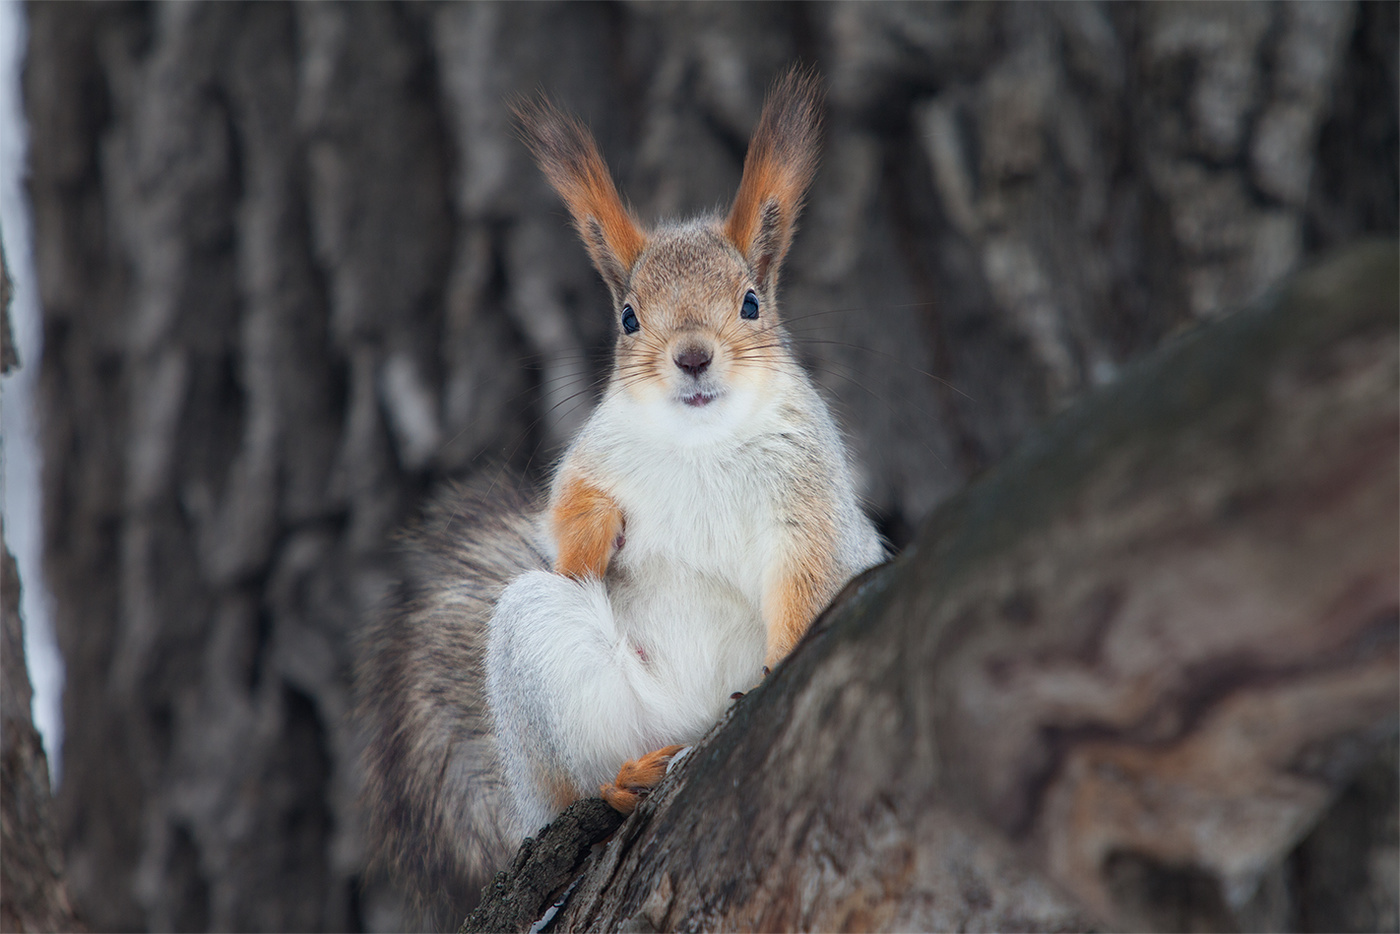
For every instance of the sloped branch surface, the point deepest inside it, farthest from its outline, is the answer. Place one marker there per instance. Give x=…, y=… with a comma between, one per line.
x=1152, y=645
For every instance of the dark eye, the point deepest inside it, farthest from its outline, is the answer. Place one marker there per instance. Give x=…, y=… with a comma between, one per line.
x=629, y=320
x=750, y=307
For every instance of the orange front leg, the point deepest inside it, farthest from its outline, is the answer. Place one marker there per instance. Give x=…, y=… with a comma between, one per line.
x=587, y=525
x=797, y=594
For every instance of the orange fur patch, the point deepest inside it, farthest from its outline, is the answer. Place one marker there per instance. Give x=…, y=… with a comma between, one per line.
x=795, y=600
x=636, y=778
x=586, y=523
x=781, y=161
x=569, y=158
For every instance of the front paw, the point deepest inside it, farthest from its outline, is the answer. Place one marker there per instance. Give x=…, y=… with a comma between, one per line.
x=588, y=529
x=637, y=778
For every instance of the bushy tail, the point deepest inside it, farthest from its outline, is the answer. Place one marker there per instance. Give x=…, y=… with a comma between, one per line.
x=432, y=785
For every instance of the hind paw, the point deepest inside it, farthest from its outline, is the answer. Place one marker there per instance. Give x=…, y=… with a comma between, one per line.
x=637, y=778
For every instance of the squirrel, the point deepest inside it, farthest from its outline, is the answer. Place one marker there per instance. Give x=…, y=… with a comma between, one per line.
x=699, y=521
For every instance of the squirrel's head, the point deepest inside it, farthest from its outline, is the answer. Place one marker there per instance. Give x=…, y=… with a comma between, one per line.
x=695, y=303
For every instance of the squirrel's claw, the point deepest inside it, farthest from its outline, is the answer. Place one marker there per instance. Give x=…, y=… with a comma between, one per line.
x=637, y=778
x=738, y=694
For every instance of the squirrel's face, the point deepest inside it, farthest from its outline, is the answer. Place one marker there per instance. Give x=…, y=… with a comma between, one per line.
x=696, y=330
x=695, y=303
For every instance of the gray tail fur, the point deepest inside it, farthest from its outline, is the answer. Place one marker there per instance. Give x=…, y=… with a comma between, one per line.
x=432, y=785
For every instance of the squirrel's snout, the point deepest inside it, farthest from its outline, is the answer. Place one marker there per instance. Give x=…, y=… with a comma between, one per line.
x=693, y=360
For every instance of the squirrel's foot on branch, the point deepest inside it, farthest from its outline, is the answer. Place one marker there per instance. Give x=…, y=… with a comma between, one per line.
x=637, y=778
x=738, y=694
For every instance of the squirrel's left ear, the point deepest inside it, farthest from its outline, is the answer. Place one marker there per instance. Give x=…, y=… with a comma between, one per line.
x=780, y=164
x=566, y=152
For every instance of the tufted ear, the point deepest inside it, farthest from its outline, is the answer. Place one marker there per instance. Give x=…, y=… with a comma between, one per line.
x=780, y=164
x=569, y=158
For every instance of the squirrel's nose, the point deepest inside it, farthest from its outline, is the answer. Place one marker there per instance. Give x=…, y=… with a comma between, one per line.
x=694, y=360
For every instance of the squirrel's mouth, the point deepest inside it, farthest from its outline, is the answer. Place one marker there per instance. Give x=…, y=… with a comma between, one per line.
x=698, y=400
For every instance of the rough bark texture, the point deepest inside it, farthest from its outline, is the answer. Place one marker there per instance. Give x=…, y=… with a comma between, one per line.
x=33, y=896
x=1118, y=679
x=544, y=868
x=296, y=269
x=9, y=357
x=32, y=892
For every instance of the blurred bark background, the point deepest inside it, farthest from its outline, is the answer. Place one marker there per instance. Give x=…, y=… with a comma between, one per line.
x=296, y=269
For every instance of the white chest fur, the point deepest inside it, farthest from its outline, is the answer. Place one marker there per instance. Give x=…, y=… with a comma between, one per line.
x=702, y=507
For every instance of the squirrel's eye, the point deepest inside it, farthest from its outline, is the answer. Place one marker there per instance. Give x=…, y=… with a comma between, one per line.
x=629, y=320
x=750, y=308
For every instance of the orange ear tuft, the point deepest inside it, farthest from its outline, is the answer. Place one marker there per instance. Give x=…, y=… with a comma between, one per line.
x=569, y=158
x=781, y=161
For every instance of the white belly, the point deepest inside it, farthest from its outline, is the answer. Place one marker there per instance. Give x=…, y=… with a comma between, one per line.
x=698, y=640
x=702, y=529
x=686, y=586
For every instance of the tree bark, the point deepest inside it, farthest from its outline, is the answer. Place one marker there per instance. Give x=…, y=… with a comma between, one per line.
x=33, y=896
x=296, y=270
x=1118, y=680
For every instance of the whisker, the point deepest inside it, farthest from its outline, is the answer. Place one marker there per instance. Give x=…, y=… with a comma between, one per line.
x=855, y=308
x=893, y=411
x=525, y=432
x=888, y=356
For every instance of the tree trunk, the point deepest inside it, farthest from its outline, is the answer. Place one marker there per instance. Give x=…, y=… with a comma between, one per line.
x=296, y=270
x=33, y=896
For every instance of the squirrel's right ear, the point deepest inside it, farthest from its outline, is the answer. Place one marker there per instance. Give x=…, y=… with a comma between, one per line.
x=566, y=152
x=781, y=161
